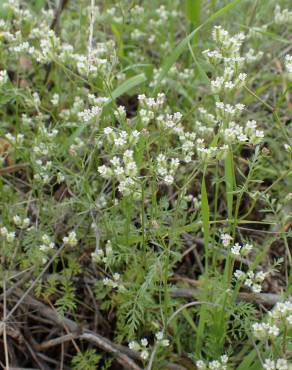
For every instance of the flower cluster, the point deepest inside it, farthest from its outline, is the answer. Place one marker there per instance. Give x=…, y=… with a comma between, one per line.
x=187, y=140
x=279, y=364
x=46, y=246
x=279, y=318
x=3, y=78
x=282, y=313
x=114, y=282
x=71, y=239
x=251, y=56
x=226, y=239
x=220, y=364
x=90, y=114
x=252, y=280
x=8, y=235
x=265, y=331
x=47, y=243
x=237, y=134
x=160, y=340
x=16, y=140
x=170, y=122
x=21, y=223
x=166, y=169
x=44, y=147
x=149, y=107
x=288, y=63
x=241, y=250
x=120, y=139
x=143, y=346
x=44, y=46
x=228, y=53
x=102, y=255
x=124, y=169
x=176, y=73
x=206, y=154
x=282, y=16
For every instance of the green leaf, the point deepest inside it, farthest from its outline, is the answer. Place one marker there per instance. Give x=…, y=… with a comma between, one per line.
x=119, y=39
x=248, y=361
x=128, y=85
x=193, y=11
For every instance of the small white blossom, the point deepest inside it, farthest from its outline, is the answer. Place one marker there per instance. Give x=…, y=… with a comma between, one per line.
x=71, y=239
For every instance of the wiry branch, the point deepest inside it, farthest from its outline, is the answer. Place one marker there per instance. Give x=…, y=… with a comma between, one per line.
x=120, y=353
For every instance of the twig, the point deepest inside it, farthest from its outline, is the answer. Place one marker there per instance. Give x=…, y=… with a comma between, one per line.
x=171, y=366
x=121, y=358
x=21, y=368
x=15, y=285
x=55, y=342
x=120, y=353
x=13, y=168
x=41, y=365
x=25, y=294
x=58, y=13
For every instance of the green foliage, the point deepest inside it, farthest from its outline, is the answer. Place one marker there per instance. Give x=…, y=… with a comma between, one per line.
x=138, y=196
x=87, y=360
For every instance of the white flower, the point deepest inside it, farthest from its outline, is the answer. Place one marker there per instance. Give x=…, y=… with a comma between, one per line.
x=10, y=236
x=159, y=335
x=246, y=248
x=235, y=250
x=256, y=288
x=239, y=275
x=226, y=239
x=282, y=364
x=265, y=331
x=17, y=220
x=288, y=62
x=281, y=311
x=168, y=179
x=134, y=346
x=282, y=16
x=3, y=77
x=55, y=99
x=279, y=364
x=104, y=171
x=269, y=365
x=163, y=342
x=201, y=365
x=144, y=342
x=3, y=231
x=71, y=239
x=106, y=281
x=108, y=130
x=116, y=276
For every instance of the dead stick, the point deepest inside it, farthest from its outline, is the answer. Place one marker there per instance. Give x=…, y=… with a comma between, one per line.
x=121, y=353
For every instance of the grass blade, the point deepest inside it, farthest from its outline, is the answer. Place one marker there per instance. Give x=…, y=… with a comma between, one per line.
x=128, y=85
x=229, y=181
x=193, y=12
x=206, y=220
